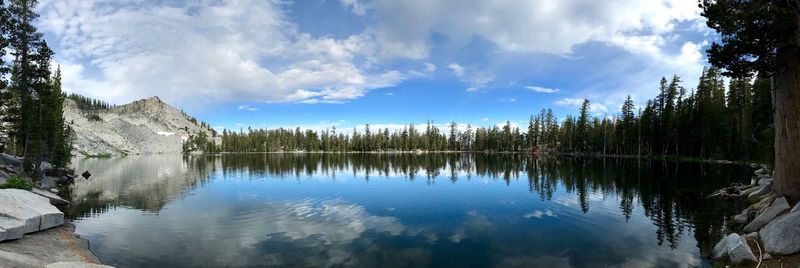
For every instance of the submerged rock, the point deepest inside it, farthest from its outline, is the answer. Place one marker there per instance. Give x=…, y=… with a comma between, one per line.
x=735, y=247
x=778, y=206
x=782, y=235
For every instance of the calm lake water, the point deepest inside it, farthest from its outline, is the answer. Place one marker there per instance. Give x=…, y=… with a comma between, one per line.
x=384, y=210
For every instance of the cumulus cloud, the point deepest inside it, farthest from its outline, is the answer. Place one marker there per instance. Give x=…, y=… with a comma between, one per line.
x=228, y=50
x=475, y=79
x=647, y=30
x=521, y=25
x=251, y=50
x=542, y=89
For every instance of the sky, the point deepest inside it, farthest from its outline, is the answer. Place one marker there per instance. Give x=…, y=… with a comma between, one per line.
x=345, y=63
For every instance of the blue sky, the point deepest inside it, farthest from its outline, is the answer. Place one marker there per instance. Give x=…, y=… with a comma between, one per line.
x=344, y=63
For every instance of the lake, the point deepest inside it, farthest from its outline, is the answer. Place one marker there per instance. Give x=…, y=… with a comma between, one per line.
x=400, y=210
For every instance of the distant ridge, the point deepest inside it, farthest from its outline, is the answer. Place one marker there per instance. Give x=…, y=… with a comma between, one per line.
x=146, y=126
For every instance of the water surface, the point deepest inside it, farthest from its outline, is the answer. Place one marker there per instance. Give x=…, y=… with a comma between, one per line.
x=399, y=210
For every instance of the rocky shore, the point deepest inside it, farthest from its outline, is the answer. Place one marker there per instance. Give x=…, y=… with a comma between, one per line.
x=770, y=225
x=33, y=231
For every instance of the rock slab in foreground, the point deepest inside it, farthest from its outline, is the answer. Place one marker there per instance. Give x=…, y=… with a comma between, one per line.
x=778, y=206
x=51, y=216
x=782, y=235
x=47, y=247
x=12, y=209
x=24, y=212
x=75, y=265
x=735, y=247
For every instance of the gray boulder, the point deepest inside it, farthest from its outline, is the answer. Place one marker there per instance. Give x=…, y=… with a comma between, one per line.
x=721, y=249
x=778, y=206
x=782, y=235
x=11, y=228
x=10, y=160
x=54, y=198
x=735, y=247
x=11, y=208
x=762, y=172
x=51, y=216
x=765, y=180
x=743, y=217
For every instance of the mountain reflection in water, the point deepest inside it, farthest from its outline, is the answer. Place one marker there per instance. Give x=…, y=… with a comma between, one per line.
x=419, y=210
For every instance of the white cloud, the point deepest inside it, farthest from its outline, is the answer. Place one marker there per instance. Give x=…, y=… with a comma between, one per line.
x=457, y=69
x=647, y=30
x=429, y=67
x=542, y=89
x=569, y=102
x=225, y=51
x=595, y=108
x=250, y=50
x=246, y=108
x=355, y=6
x=545, y=26
x=475, y=79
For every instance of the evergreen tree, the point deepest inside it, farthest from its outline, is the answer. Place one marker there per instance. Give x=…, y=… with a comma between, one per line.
x=763, y=37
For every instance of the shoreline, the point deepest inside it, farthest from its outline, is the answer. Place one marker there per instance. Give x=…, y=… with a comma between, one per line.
x=55, y=245
x=526, y=153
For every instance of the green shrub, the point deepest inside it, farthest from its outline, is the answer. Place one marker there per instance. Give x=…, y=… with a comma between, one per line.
x=93, y=117
x=17, y=182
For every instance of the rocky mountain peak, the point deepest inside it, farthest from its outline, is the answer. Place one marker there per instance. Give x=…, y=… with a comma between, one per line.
x=140, y=127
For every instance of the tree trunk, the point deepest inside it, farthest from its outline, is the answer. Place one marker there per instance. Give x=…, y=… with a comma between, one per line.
x=787, y=122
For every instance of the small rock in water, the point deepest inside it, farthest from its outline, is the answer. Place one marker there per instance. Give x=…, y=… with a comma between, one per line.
x=780, y=205
x=766, y=256
x=86, y=174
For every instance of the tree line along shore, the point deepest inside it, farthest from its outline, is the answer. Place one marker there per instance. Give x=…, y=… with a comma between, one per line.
x=713, y=121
